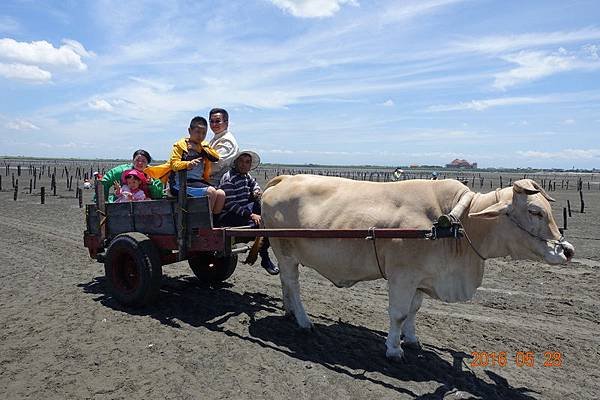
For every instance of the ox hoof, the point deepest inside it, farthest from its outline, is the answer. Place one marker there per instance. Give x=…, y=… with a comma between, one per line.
x=396, y=355
x=307, y=328
x=412, y=345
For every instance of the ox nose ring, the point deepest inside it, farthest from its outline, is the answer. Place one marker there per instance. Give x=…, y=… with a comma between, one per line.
x=569, y=253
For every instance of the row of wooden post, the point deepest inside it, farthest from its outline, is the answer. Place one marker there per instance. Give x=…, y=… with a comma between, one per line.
x=78, y=192
x=35, y=171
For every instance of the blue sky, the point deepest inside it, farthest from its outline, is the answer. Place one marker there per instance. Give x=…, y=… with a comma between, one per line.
x=502, y=83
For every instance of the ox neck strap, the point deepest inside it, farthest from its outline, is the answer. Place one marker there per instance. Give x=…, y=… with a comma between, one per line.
x=471, y=244
x=533, y=235
x=371, y=237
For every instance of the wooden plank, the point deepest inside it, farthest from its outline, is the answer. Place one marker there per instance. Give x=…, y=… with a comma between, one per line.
x=119, y=218
x=92, y=220
x=151, y=217
x=100, y=207
x=154, y=217
x=182, y=231
x=199, y=215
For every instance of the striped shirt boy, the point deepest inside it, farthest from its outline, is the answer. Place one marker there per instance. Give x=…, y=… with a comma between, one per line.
x=239, y=193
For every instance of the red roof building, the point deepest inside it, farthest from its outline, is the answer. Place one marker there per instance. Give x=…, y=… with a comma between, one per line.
x=458, y=163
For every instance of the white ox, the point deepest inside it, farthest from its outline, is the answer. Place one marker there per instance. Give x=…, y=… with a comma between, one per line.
x=514, y=222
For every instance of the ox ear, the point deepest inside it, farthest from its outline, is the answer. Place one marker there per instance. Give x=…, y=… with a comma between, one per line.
x=529, y=186
x=493, y=211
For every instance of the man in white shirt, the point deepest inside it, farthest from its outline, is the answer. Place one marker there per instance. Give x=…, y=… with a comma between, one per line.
x=223, y=142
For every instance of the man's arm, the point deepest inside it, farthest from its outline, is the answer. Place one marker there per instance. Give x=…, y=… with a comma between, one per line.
x=226, y=149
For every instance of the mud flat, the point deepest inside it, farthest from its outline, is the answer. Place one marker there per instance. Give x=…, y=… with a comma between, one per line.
x=62, y=337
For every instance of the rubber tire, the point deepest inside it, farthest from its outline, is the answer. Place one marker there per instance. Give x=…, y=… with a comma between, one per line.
x=210, y=267
x=133, y=269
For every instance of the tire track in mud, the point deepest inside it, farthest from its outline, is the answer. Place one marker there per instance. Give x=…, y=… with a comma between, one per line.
x=35, y=251
x=27, y=260
x=536, y=296
x=66, y=236
x=520, y=321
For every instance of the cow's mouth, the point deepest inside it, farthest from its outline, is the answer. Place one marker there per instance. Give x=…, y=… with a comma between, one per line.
x=569, y=252
x=564, y=250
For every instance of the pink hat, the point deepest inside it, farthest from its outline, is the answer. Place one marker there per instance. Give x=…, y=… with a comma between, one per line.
x=134, y=172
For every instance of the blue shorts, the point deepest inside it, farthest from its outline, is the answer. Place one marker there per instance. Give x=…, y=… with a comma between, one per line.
x=197, y=191
x=192, y=191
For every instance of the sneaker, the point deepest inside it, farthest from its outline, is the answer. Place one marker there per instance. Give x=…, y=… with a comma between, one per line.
x=269, y=266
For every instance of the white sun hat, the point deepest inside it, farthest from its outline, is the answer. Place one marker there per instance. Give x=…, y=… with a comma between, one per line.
x=252, y=154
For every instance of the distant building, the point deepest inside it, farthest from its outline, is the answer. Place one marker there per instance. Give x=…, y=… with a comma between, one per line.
x=458, y=163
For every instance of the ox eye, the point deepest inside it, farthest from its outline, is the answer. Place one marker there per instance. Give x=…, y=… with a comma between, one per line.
x=535, y=212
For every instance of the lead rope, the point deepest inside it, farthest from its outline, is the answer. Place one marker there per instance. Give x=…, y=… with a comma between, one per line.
x=471, y=244
x=371, y=237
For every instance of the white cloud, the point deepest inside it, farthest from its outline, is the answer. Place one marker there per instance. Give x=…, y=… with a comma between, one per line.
x=518, y=123
x=153, y=83
x=567, y=154
x=498, y=44
x=21, y=125
x=77, y=48
x=312, y=8
x=407, y=10
x=480, y=105
x=41, y=53
x=592, y=51
x=569, y=121
x=100, y=105
x=388, y=103
x=68, y=145
x=533, y=65
x=29, y=73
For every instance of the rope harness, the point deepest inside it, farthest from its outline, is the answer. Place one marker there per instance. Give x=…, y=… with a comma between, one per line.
x=518, y=225
x=371, y=237
x=449, y=225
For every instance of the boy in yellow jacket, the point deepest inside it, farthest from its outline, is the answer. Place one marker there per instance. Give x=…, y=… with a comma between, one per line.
x=195, y=155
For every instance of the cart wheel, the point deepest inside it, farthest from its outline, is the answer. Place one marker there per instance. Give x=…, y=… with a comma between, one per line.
x=212, y=268
x=133, y=269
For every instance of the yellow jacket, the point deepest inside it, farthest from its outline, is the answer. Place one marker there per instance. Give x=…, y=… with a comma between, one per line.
x=160, y=172
x=176, y=163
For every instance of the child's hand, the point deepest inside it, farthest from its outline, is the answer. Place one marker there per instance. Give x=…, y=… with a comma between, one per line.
x=255, y=218
x=191, y=146
x=257, y=193
x=194, y=163
x=117, y=187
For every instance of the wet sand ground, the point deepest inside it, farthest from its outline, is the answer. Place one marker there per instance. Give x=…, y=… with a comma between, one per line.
x=63, y=337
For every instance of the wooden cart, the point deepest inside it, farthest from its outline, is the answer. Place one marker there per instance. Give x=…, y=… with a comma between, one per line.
x=135, y=239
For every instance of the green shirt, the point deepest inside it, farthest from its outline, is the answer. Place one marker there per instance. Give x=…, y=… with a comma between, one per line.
x=155, y=186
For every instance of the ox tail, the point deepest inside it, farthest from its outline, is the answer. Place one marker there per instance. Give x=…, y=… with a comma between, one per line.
x=275, y=181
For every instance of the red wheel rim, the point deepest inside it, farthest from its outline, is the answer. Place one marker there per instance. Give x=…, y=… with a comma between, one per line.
x=125, y=273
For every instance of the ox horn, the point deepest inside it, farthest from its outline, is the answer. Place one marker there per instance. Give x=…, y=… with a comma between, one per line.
x=529, y=186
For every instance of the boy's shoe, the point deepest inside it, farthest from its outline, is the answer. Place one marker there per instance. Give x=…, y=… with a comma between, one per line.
x=269, y=266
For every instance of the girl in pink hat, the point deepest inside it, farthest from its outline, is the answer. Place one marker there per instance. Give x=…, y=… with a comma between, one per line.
x=131, y=190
